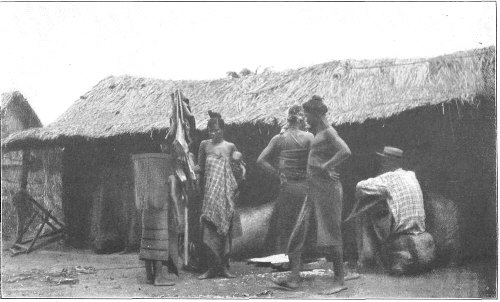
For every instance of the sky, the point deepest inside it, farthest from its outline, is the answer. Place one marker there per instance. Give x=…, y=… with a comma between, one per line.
x=55, y=52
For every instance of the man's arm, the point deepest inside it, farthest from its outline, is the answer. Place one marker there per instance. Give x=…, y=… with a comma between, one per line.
x=263, y=160
x=174, y=196
x=343, y=150
x=371, y=187
x=202, y=156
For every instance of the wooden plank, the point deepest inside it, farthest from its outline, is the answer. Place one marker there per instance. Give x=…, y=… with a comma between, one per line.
x=358, y=209
x=46, y=212
x=25, y=228
x=37, y=234
x=56, y=232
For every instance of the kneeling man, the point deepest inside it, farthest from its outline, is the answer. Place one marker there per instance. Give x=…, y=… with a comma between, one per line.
x=391, y=218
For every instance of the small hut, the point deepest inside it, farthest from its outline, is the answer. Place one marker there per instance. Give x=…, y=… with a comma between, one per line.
x=440, y=110
x=44, y=181
x=16, y=115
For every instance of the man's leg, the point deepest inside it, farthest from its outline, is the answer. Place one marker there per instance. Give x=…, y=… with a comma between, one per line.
x=160, y=280
x=338, y=264
x=293, y=280
x=150, y=275
x=214, y=263
x=295, y=260
x=338, y=269
x=381, y=227
x=365, y=242
x=214, y=246
x=296, y=246
x=225, y=251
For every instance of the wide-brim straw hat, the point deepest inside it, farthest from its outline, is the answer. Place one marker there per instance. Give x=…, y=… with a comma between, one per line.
x=391, y=153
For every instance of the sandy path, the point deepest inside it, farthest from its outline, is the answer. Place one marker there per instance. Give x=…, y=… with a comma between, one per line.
x=123, y=276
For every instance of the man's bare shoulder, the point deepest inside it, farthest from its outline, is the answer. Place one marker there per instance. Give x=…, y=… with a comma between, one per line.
x=330, y=133
x=307, y=135
x=204, y=143
x=276, y=138
x=229, y=144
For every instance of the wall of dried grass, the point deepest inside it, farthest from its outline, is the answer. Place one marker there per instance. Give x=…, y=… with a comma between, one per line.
x=451, y=147
x=44, y=185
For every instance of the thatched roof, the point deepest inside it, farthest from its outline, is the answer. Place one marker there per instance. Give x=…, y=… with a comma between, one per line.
x=353, y=90
x=16, y=114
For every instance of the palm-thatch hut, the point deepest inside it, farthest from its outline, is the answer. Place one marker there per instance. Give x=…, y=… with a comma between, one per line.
x=16, y=115
x=441, y=111
x=44, y=182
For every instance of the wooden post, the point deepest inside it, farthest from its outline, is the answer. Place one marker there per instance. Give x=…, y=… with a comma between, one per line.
x=21, y=204
x=186, y=236
x=23, y=179
x=45, y=218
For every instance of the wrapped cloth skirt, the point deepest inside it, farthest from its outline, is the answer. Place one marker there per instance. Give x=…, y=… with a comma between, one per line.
x=318, y=227
x=159, y=239
x=155, y=236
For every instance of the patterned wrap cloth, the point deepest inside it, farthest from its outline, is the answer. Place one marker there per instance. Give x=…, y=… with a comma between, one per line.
x=159, y=219
x=220, y=187
x=404, y=198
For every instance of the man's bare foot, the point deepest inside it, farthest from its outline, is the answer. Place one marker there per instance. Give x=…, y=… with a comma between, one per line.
x=336, y=288
x=287, y=283
x=225, y=273
x=207, y=275
x=162, y=281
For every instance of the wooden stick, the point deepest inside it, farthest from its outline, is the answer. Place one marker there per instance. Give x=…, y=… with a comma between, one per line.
x=37, y=234
x=356, y=212
x=53, y=233
x=25, y=227
x=45, y=211
x=186, y=236
x=23, y=178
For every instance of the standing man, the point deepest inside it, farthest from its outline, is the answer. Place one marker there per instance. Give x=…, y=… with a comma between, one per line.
x=319, y=223
x=220, y=185
x=291, y=147
x=161, y=223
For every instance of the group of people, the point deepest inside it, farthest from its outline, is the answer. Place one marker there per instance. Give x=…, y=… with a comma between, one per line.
x=308, y=214
x=307, y=219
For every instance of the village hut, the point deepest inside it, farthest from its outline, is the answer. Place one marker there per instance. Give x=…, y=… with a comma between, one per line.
x=44, y=181
x=440, y=110
x=16, y=115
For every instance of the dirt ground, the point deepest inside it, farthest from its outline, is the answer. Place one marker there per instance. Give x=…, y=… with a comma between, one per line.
x=65, y=272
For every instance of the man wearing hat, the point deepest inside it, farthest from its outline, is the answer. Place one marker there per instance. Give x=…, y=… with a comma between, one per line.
x=390, y=213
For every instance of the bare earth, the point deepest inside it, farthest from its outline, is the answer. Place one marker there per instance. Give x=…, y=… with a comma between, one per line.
x=118, y=275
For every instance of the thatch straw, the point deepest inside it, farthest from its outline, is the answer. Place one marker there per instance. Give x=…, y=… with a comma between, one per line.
x=17, y=114
x=353, y=90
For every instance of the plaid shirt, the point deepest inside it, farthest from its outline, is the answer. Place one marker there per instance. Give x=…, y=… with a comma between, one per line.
x=220, y=187
x=404, y=198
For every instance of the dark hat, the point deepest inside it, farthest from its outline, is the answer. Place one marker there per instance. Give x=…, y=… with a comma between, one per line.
x=391, y=153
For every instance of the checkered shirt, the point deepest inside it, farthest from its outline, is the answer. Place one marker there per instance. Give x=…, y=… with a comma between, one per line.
x=404, y=198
